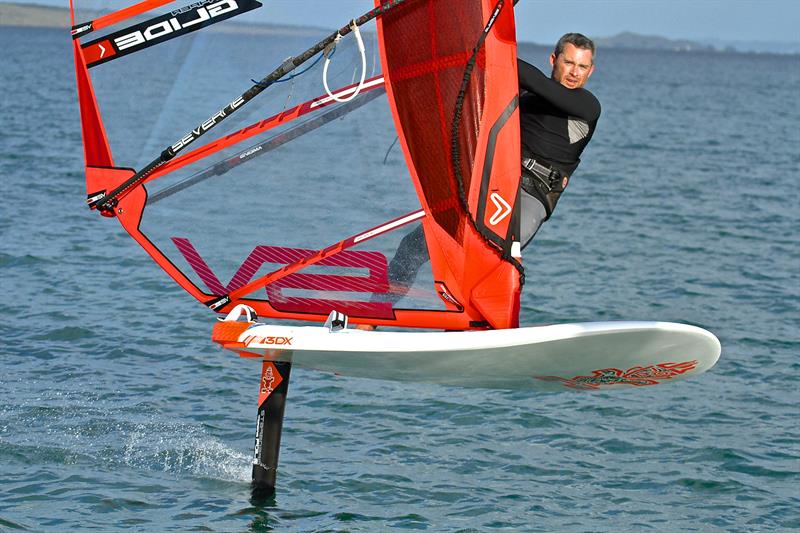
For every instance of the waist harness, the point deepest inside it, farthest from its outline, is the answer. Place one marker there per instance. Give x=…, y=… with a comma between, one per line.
x=543, y=181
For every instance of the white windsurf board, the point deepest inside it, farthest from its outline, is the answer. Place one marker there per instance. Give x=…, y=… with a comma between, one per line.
x=583, y=356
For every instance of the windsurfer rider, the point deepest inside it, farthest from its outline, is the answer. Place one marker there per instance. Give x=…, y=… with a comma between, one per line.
x=557, y=120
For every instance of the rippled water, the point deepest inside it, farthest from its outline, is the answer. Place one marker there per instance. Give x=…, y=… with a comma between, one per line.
x=685, y=209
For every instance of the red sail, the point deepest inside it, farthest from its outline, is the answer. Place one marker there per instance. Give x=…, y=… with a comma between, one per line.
x=466, y=171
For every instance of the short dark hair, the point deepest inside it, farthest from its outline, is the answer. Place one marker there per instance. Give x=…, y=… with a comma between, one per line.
x=577, y=39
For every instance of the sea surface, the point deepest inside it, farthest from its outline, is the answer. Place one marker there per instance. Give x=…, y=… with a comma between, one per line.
x=118, y=412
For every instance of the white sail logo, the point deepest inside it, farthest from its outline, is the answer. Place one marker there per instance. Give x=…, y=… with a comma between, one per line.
x=81, y=29
x=166, y=27
x=205, y=126
x=503, y=209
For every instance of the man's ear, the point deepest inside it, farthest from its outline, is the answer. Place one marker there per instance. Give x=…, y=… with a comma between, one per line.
x=553, y=60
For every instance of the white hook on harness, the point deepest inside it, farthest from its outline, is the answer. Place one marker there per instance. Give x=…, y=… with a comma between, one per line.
x=328, y=52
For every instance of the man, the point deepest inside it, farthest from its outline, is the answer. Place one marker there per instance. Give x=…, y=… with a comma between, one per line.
x=557, y=119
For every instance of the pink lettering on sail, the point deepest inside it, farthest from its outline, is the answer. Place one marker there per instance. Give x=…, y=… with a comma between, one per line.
x=304, y=292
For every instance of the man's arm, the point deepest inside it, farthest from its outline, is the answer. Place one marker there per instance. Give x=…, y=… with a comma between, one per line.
x=575, y=102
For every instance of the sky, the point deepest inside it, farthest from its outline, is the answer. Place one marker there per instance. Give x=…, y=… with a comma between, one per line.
x=544, y=21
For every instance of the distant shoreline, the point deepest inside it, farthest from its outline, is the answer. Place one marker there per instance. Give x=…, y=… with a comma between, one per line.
x=41, y=16
x=34, y=16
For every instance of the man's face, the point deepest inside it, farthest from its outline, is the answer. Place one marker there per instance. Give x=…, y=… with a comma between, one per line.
x=572, y=67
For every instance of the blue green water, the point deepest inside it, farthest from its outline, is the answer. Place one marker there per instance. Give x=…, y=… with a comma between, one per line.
x=685, y=209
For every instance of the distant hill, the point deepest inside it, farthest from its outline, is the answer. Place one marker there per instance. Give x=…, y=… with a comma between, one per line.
x=630, y=40
x=635, y=41
x=757, y=47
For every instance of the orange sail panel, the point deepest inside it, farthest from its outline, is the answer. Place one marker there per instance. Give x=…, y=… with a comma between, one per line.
x=450, y=70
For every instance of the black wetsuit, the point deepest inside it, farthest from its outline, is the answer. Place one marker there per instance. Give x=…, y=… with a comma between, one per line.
x=556, y=125
x=556, y=122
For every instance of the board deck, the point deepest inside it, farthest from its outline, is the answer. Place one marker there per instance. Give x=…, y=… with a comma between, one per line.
x=584, y=356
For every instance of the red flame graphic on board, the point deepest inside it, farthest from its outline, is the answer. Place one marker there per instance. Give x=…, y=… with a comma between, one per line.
x=638, y=376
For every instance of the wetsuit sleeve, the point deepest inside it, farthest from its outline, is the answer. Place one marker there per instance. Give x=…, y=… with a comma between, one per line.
x=576, y=102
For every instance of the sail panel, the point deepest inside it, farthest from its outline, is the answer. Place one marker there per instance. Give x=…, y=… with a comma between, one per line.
x=268, y=189
x=426, y=46
x=450, y=68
